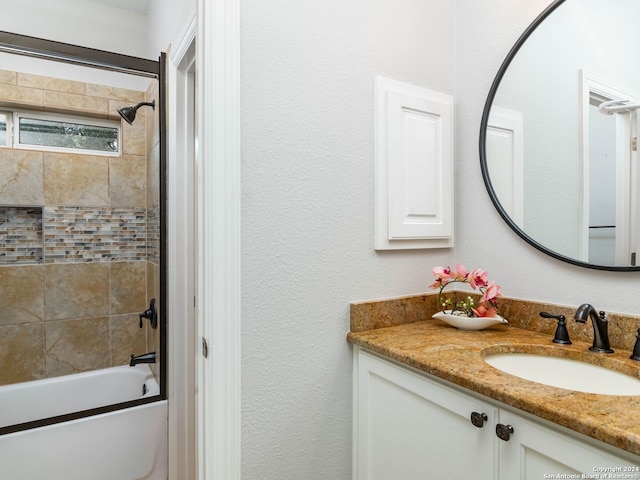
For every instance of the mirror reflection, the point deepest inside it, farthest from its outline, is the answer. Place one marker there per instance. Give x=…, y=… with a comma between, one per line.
x=561, y=135
x=79, y=223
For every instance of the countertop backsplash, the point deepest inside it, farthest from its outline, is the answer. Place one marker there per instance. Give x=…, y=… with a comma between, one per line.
x=370, y=315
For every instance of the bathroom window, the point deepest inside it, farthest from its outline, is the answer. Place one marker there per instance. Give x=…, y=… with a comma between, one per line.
x=4, y=129
x=57, y=132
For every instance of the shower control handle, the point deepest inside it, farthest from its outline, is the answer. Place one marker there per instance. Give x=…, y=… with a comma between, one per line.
x=150, y=314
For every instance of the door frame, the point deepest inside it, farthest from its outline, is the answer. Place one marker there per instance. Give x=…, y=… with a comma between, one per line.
x=219, y=293
x=210, y=227
x=625, y=242
x=182, y=256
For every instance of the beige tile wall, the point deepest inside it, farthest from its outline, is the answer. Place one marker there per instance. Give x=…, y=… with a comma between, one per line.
x=152, y=137
x=65, y=318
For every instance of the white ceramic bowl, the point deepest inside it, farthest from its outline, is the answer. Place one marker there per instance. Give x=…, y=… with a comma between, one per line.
x=468, y=323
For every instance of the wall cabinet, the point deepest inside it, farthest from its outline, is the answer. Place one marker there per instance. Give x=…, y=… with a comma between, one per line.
x=413, y=167
x=408, y=425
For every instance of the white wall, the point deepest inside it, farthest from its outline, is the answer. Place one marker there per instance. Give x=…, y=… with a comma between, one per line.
x=307, y=142
x=95, y=25
x=484, y=33
x=165, y=21
x=307, y=180
x=78, y=22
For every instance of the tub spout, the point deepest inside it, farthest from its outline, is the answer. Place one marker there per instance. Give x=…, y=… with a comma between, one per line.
x=146, y=358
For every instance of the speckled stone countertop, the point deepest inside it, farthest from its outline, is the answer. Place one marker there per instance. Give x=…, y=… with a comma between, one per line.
x=455, y=355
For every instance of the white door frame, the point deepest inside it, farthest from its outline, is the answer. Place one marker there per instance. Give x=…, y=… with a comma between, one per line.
x=626, y=240
x=205, y=221
x=219, y=296
x=181, y=256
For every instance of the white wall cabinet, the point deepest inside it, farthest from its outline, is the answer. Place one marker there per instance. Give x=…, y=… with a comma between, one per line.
x=413, y=167
x=409, y=426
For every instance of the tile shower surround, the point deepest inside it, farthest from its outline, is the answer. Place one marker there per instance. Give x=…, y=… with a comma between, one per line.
x=71, y=298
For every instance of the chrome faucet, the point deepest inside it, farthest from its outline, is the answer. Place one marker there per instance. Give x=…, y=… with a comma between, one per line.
x=600, y=327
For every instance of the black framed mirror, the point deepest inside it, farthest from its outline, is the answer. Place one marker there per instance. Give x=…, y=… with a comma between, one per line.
x=558, y=136
x=83, y=255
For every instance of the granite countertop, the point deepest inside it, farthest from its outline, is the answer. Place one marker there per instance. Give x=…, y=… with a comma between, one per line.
x=455, y=355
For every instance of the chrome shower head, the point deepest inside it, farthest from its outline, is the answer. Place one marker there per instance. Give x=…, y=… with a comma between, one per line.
x=129, y=113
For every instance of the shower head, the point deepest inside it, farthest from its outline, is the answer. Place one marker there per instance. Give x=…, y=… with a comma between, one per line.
x=129, y=113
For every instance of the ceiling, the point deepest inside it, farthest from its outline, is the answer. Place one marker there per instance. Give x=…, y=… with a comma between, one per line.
x=139, y=6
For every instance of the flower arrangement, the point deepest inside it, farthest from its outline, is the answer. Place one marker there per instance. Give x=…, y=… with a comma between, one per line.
x=478, y=279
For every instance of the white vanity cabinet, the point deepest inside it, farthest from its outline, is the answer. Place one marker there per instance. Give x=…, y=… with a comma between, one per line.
x=536, y=451
x=408, y=425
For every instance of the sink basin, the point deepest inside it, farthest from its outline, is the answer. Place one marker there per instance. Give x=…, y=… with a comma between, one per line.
x=565, y=373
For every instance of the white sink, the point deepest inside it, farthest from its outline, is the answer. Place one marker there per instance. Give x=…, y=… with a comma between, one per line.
x=565, y=373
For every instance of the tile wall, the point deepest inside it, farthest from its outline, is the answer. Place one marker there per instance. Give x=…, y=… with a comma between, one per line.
x=152, y=136
x=70, y=300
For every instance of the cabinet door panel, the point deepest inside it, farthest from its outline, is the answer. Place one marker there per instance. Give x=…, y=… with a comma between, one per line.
x=536, y=452
x=412, y=428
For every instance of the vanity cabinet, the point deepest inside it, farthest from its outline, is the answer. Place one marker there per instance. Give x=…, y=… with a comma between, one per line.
x=536, y=451
x=409, y=425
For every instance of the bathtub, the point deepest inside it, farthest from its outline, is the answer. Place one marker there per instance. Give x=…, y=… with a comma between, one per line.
x=127, y=444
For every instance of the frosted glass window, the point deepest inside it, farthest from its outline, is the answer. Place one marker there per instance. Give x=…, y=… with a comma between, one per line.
x=4, y=137
x=65, y=134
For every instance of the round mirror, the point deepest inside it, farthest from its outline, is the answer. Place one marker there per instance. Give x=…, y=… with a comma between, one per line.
x=559, y=134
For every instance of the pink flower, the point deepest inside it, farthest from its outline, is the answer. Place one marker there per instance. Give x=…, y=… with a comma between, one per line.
x=441, y=272
x=491, y=292
x=461, y=272
x=443, y=276
x=478, y=278
x=483, y=311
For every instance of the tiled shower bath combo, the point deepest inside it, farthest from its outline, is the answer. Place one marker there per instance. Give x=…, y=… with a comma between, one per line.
x=79, y=237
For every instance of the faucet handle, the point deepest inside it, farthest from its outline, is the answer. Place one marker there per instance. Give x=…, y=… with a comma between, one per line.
x=151, y=314
x=562, y=334
x=636, y=349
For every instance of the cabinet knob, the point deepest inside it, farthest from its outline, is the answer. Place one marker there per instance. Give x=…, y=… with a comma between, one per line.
x=503, y=432
x=478, y=419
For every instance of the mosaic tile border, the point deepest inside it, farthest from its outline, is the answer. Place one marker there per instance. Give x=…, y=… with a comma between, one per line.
x=20, y=235
x=153, y=234
x=94, y=234
x=69, y=234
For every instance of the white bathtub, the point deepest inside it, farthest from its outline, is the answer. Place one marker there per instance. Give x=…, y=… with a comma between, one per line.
x=128, y=444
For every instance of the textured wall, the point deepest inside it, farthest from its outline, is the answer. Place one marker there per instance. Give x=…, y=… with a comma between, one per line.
x=307, y=203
